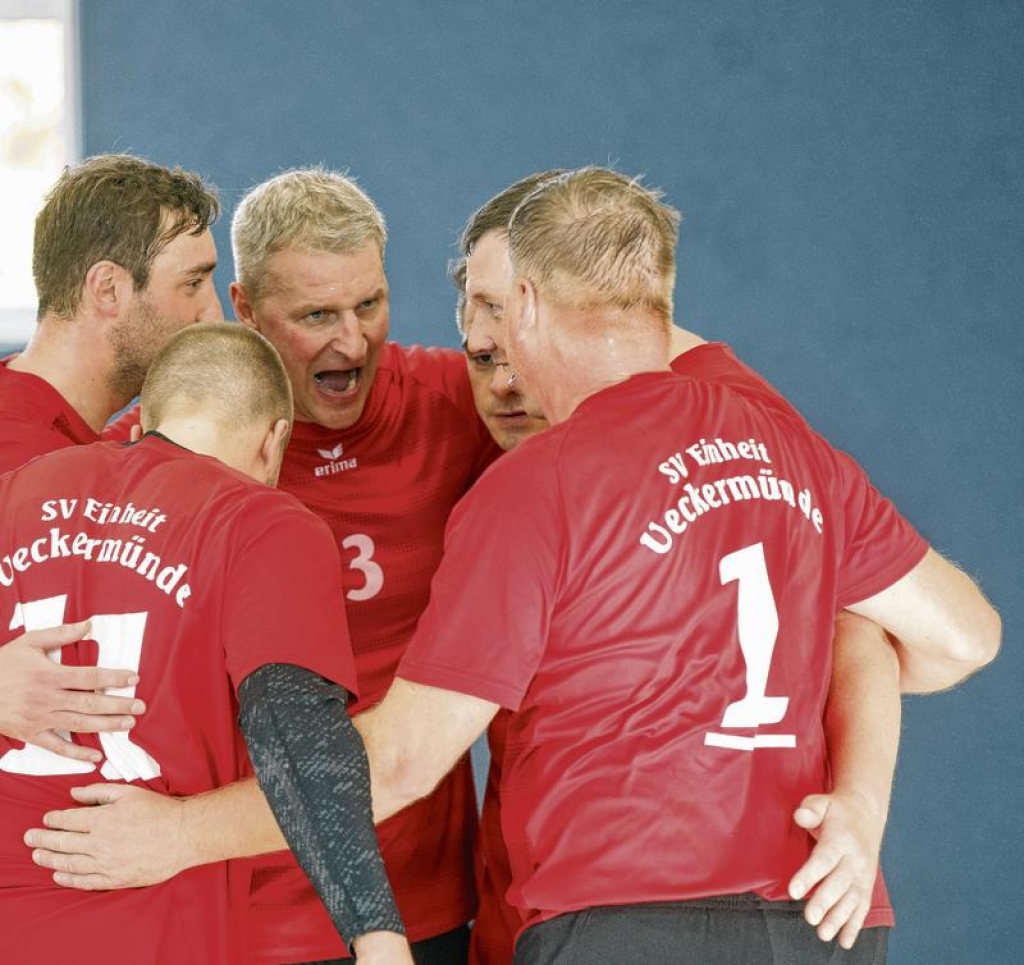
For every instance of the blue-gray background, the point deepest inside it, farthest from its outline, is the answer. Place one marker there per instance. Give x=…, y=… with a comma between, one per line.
x=851, y=179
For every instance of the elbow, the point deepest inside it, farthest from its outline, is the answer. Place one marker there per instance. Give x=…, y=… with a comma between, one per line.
x=963, y=655
x=990, y=638
x=397, y=781
x=978, y=643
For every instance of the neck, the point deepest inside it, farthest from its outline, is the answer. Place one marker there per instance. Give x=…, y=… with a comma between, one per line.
x=586, y=359
x=73, y=357
x=200, y=433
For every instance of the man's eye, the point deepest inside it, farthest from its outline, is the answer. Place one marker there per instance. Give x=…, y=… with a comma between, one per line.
x=368, y=305
x=483, y=361
x=318, y=316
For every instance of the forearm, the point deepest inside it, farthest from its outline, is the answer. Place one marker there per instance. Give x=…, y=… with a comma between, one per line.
x=862, y=718
x=312, y=767
x=942, y=626
x=414, y=737
x=234, y=821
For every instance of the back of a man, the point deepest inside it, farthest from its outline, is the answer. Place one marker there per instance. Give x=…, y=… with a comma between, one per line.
x=660, y=616
x=179, y=563
x=649, y=748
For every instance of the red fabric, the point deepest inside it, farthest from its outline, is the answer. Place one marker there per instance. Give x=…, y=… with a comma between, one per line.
x=36, y=418
x=492, y=939
x=228, y=575
x=621, y=659
x=715, y=361
x=385, y=487
x=497, y=921
x=120, y=429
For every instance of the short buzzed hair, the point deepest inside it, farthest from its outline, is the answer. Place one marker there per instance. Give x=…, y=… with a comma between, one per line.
x=492, y=215
x=223, y=371
x=308, y=209
x=112, y=207
x=594, y=238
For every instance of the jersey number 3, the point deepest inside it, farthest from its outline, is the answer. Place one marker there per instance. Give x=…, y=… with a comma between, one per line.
x=119, y=640
x=363, y=561
x=757, y=626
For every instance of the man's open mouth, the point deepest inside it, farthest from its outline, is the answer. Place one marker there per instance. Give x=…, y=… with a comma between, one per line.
x=338, y=381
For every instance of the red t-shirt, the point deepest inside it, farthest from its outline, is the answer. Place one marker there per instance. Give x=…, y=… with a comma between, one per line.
x=197, y=575
x=385, y=487
x=715, y=362
x=36, y=418
x=497, y=921
x=615, y=599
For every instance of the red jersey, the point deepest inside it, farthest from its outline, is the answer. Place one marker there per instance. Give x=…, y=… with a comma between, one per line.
x=36, y=418
x=497, y=921
x=385, y=487
x=715, y=362
x=663, y=628
x=197, y=576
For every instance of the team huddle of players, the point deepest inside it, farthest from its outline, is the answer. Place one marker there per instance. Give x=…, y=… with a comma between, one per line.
x=682, y=619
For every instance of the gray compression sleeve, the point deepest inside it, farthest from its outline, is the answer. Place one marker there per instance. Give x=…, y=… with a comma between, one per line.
x=312, y=767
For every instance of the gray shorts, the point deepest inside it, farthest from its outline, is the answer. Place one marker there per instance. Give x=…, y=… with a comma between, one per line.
x=735, y=930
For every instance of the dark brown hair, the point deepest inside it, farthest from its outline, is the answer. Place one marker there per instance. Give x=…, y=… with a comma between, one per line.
x=112, y=207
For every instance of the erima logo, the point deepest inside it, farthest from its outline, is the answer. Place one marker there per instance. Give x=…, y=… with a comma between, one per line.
x=334, y=461
x=334, y=453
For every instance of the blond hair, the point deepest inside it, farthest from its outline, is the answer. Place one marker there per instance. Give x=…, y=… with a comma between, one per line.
x=221, y=371
x=308, y=209
x=595, y=239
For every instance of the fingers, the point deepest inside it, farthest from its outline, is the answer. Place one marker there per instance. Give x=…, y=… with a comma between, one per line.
x=821, y=863
x=829, y=894
x=54, y=849
x=94, y=678
x=65, y=864
x=58, y=745
x=838, y=916
x=98, y=794
x=83, y=882
x=811, y=812
x=118, y=717
x=53, y=637
x=852, y=928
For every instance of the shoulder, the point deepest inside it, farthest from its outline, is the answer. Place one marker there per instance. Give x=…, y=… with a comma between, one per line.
x=440, y=370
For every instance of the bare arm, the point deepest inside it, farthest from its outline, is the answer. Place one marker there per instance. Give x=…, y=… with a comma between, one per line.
x=943, y=626
x=414, y=737
x=39, y=698
x=139, y=837
x=862, y=724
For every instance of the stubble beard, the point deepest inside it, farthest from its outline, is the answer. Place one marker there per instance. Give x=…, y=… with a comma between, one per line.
x=135, y=342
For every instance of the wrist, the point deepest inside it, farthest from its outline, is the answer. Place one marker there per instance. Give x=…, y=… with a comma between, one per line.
x=189, y=839
x=872, y=803
x=385, y=947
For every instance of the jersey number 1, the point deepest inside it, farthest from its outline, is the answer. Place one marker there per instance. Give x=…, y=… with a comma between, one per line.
x=757, y=626
x=119, y=639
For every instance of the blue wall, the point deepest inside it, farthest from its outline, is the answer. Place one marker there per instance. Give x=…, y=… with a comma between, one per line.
x=851, y=177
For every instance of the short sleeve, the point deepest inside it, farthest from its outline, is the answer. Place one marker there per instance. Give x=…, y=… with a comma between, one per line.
x=283, y=595
x=880, y=545
x=491, y=600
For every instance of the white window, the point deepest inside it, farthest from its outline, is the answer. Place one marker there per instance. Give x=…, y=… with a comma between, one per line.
x=39, y=135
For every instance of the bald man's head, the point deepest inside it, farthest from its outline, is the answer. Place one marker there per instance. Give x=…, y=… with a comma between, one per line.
x=222, y=373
